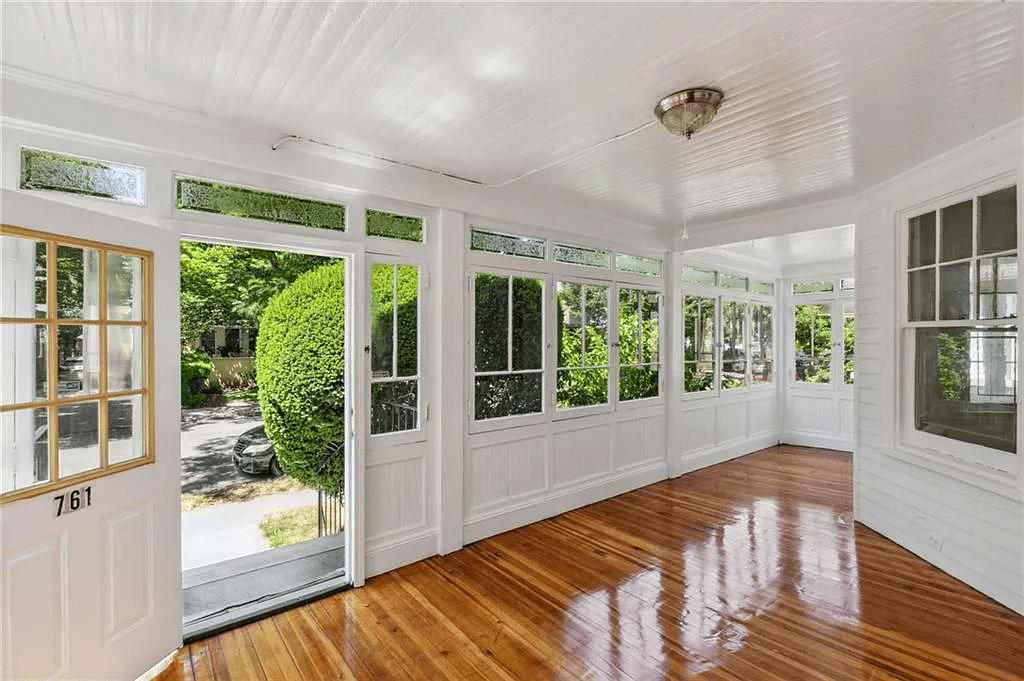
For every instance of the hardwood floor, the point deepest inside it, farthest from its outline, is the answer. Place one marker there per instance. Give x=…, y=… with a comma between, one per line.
x=753, y=569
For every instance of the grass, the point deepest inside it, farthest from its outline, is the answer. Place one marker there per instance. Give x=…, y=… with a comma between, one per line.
x=285, y=528
x=241, y=492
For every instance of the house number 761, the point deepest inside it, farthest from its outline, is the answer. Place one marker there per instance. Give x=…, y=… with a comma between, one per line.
x=72, y=500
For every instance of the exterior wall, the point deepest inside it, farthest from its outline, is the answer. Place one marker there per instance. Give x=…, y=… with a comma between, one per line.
x=955, y=516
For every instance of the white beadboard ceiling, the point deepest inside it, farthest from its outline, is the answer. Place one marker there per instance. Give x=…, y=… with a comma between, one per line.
x=822, y=100
x=784, y=253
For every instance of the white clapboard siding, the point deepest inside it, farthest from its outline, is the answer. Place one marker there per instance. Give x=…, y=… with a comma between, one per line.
x=947, y=517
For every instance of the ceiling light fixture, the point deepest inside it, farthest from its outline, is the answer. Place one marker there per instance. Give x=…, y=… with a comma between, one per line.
x=687, y=111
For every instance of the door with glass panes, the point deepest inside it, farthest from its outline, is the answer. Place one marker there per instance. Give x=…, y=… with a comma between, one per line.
x=89, y=515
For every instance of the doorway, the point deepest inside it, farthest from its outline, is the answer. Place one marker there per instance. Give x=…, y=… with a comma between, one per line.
x=265, y=368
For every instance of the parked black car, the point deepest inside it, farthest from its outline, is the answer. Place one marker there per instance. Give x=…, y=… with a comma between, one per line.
x=254, y=453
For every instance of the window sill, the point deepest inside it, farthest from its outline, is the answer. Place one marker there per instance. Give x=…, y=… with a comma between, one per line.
x=976, y=474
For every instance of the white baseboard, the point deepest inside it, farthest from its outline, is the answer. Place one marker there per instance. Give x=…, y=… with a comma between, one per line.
x=709, y=456
x=922, y=549
x=559, y=502
x=843, y=443
x=403, y=551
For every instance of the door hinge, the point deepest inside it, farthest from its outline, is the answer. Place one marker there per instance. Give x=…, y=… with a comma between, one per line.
x=426, y=413
x=425, y=277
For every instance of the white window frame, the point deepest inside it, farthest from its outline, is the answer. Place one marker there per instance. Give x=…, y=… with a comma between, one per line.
x=643, y=401
x=613, y=338
x=479, y=426
x=419, y=433
x=722, y=295
x=992, y=464
x=840, y=300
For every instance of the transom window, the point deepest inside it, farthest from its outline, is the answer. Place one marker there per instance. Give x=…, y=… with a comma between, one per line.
x=75, y=402
x=960, y=322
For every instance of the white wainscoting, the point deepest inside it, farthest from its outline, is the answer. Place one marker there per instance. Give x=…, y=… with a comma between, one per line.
x=400, y=516
x=716, y=429
x=819, y=416
x=517, y=476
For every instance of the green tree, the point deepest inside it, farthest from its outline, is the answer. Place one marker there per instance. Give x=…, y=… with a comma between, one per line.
x=300, y=372
x=813, y=341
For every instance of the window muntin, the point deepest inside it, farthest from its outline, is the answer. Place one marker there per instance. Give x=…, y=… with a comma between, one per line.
x=487, y=241
x=243, y=202
x=962, y=271
x=812, y=324
x=734, y=351
x=761, y=344
x=394, y=348
x=639, y=343
x=699, y=357
x=508, y=313
x=393, y=226
x=86, y=351
x=51, y=171
x=583, y=359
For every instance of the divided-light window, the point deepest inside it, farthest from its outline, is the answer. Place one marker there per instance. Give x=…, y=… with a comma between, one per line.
x=508, y=330
x=960, y=335
x=639, y=343
x=727, y=331
x=394, y=348
x=582, y=345
x=75, y=400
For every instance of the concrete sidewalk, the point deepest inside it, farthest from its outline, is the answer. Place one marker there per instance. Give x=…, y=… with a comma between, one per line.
x=225, y=531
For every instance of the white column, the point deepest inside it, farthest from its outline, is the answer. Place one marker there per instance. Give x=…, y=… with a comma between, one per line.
x=672, y=361
x=450, y=395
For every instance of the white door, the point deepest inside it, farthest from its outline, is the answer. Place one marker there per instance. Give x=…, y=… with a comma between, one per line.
x=90, y=517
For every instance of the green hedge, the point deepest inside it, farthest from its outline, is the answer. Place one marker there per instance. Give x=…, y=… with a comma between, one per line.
x=300, y=372
x=196, y=367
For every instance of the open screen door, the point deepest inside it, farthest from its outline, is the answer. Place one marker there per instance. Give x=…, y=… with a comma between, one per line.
x=89, y=493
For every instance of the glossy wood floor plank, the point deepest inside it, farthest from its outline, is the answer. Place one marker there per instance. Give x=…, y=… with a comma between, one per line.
x=750, y=570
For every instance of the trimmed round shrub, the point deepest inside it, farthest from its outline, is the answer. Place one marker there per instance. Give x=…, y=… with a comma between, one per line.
x=196, y=367
x=300, y=374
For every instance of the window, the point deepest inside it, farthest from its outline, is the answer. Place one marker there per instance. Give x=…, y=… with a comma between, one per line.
x=579, y=255
x=227, y=199
x=812, y=324
x=727, y=331
x=761, y=354
x=699, y=358
x=960, y=333
x=508, y=331
x=805, y=287
x=75, y=402
x=734, y=351
x=75, y=175
x=639, y=343
x=582, y=345
x=849, y=343
x=392, y=226
x=636, y=264
x=507, y=244
x=394, y=348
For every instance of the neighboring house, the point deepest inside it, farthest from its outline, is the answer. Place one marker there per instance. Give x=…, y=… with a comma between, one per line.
x=233, y=351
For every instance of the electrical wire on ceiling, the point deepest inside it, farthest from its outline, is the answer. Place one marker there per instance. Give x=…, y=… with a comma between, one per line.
x=337, y=147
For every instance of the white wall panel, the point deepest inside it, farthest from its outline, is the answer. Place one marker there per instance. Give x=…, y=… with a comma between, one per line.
x=128, y=580
x=846, y=417
x=500, y=471
x=698, y=428
x=812, y=413
x=35, y=596
x=763, y=417
x=395, y=498
x=638, y=441
x=581, y=454
x=731, y=423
